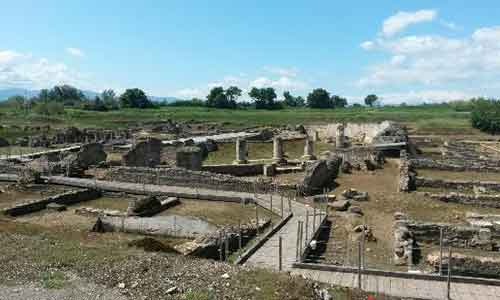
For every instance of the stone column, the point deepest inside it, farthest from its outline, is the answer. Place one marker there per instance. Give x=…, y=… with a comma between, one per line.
x=241, y=151
x=339, y=139
x=315, y=136
x=278, y=155
x=309, y=150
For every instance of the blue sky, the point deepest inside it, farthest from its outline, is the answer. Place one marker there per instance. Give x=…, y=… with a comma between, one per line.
x=401, y=50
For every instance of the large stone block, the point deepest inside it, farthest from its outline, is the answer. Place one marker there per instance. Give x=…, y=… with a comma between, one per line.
x=144, y=154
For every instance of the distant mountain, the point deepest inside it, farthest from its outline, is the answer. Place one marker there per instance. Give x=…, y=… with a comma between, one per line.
x=6, y=93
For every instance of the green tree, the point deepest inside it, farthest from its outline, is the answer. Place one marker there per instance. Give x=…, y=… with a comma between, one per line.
x=217, y=98
x=319, y=98
x=264, y=98
x=16, y=102
x=370, y=100
x=290, y=100
x=135, y=98
x=109, y=99
x=66, y=94
x=232, y=94
x=338, y=101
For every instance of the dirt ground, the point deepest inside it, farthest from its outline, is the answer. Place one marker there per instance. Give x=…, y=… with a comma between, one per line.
x=384, y=201
x=11, y=194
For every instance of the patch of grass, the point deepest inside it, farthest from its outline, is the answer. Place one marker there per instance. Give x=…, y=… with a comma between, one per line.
x=53, y=279
x=199, y=295
x=423, y=118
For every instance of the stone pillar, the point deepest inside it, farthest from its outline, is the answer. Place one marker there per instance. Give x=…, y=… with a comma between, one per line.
x=241, y=151
x=278, y=155
x=315, y=136
x=189, y=157
x=309, y=150
x=339, y=139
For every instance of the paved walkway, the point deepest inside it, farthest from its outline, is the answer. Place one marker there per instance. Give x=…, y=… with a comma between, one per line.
x=402, y=287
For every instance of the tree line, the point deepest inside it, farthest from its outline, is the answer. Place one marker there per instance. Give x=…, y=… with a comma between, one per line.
x=266, y=98
x=53, y=101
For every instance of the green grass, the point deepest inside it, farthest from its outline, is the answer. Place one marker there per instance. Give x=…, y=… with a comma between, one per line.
x=423, y=117
x=53, y=280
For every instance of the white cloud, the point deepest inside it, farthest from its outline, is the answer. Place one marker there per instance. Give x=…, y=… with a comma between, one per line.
x=427, y=96
x=287, y=72
x=280, y=83
x=401, y=20
x=432, y=59
x=75, y=52
x=24, y=70
x=368, y=45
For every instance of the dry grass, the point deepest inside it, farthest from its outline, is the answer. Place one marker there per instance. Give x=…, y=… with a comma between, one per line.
x=219, y=213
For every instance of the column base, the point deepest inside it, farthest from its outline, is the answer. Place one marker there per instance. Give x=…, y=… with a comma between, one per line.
x=308, y=157
x=240, y=162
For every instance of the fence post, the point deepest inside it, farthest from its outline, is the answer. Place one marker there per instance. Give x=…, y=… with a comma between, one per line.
x=280, y=253
x=239, y=236
x=363, y=250
x=226, y=246
x=282, y=216
x=257, y=217
x=314, y=220
x=307, y=227
x=298, y=242
x=359, y=265
x=441, y=251
x=271, y=198
x=301, y=239
x=220, y=246
x=449, y=273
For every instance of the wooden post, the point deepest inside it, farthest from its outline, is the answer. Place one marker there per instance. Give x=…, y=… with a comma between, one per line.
x=301, y=239
x=441, y=251
x=363, y=250
x=297, y=246
x=282, y=215
x=307, y=227
x=314, y=220
x=220, y=247
x=359, y=265
x=449, y=273
x=239, y=236
x=280, y=254
x=257, y=217
x=271, y=198
x=226, y=248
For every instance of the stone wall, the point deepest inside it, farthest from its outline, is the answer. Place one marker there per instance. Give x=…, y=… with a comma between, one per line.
x=406, y=173
x=361, y=158
x=457, y=165
x=67, y=198
x=184, y=177
x=360, y=132
x=481, y=200
x=236, y=170
x=467, y=265
x=73, y=135
x=456, y=184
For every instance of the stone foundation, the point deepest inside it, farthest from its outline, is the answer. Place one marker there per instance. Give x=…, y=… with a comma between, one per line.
x=68, y=198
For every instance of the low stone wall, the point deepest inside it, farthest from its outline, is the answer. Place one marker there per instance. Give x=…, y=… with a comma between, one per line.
x=481, y=200
x=183, y=177
x=457, y=165
x=236, y=170
x=456, y=184
x=467, y=265
x=68, y=198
